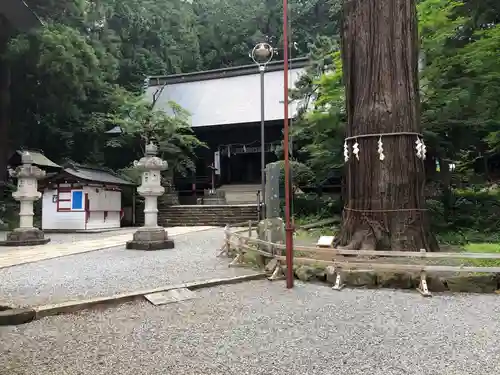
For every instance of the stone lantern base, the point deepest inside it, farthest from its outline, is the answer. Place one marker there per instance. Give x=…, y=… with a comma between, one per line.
x=150, y=239
x=25, y=237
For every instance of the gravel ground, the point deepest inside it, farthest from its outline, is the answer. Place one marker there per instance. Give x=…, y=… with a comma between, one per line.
x=261, y=328
x=56, y=238
x=116, y=270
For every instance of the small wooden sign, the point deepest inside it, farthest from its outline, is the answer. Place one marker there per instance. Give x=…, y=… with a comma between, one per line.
x=325, y=241
x=170, y=296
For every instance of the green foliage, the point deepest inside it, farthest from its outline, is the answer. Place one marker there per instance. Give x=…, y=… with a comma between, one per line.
x=154, y=38
x=82, y=72
x=477, y=210
x=467, y=215
x=484, y=248
x=320, y=129
x=79, y=75
x=9, y=208
x=461, y=82
x=172, y=133
x=229, y=29
x=314, y=206
x=304, y=204
x=62, y=91
x=471, y=216
x=301, y=174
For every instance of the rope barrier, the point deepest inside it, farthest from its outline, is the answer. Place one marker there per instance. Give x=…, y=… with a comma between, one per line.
x=388, y=210
x=378, y=135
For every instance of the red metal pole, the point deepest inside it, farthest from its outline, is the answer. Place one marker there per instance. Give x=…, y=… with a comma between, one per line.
x=288, y=224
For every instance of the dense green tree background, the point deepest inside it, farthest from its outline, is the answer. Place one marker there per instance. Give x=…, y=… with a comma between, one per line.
x=82, y=72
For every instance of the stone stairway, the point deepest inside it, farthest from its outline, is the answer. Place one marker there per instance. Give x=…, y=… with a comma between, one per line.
x=195, y=215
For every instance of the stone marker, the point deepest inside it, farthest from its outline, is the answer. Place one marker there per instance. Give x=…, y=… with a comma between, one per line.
x=271, y=230
x=170, y=296
x=272, y=198
x=27, y=192
x=151, y=236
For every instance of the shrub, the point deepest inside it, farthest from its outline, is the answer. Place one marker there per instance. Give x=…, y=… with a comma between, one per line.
x=312, y=205
x=302, y=175
x=9, y=208
x=474, y=210
x=466, y=215
x=463, y=216
x=436, y=215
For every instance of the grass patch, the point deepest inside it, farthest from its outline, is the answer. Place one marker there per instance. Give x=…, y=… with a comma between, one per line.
x=483, y=248
x=312, y=235
x=465, y=237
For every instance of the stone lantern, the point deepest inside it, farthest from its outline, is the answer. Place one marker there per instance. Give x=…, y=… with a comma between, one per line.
x=150, y=236
x=27, y=192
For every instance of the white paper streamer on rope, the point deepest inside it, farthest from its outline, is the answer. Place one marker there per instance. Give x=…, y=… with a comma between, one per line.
x=380, y=149
x=355, y=149
x=419, y=144
x=421, y=148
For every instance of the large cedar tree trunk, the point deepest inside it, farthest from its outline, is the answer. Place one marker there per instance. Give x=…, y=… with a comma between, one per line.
x=385, y=199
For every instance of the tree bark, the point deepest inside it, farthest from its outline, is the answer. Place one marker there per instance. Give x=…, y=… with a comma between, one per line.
x=385, y=205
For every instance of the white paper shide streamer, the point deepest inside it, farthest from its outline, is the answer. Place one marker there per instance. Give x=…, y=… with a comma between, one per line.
x=380, y=149
x=355, y=149
x=346, y=152
x=421, y=148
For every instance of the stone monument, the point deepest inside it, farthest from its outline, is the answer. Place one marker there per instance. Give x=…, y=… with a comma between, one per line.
x=27, y=192
x=151, y=236
x=272, y=228
x=273, y=209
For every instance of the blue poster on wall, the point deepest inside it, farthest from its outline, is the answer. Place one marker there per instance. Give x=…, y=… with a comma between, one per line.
x=77, y=200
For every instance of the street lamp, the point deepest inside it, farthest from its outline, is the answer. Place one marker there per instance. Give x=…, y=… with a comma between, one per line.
x=262, y=54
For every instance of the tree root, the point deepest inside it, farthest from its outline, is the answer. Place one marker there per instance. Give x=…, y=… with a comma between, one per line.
x=359, y=232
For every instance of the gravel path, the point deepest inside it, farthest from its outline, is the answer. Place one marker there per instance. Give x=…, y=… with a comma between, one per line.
x=261, y=328
x=56, y=238
x=116, y=270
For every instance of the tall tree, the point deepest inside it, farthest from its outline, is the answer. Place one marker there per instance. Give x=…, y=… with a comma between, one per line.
x=156, y=38
x=228, y=29
x=385, y=198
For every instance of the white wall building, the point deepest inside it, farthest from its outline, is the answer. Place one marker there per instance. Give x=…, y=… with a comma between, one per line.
x=82, y=198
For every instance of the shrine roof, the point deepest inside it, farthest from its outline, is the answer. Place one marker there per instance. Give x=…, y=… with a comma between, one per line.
x=230, y=95
x=92, y=174
x=38, y=156
x=19, y=14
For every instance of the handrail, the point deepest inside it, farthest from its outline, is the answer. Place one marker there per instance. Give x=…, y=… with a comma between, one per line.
x=241, y=241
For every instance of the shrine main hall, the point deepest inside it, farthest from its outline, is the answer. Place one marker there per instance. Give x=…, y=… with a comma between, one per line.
x=225, y=109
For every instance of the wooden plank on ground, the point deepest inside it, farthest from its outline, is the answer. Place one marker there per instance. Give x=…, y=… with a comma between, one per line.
x=170, y=296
